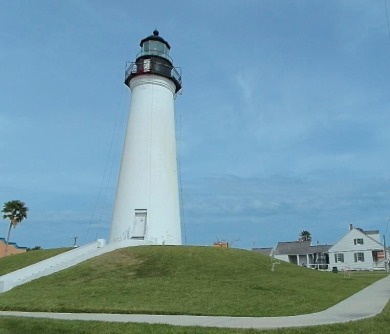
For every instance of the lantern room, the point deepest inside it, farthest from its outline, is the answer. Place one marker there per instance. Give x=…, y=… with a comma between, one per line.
x=154, y=59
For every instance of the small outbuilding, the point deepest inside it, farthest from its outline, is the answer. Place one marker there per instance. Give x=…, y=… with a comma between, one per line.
x=302, y=253
x=13, y=248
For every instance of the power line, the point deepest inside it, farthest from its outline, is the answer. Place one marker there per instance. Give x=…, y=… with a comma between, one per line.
x=108, y=168
x=178, y=158
x=387, y=18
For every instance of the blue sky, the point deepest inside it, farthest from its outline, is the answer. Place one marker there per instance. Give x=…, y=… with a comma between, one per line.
x=282, y=125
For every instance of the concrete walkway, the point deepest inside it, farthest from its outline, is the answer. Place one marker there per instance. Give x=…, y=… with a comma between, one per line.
x=364, y=304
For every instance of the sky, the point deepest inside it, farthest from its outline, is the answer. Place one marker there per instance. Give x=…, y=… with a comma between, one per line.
x=283, y=123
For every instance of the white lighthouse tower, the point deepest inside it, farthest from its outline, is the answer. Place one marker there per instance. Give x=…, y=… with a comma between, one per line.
x=147, y=209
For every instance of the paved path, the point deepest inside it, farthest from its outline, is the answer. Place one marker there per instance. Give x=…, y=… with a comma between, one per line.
x=364, y=304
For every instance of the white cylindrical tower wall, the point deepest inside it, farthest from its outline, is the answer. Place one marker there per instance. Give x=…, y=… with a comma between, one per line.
x=147, y=208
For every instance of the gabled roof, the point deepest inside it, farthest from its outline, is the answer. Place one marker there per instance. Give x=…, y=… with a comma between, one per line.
x=300, y=248
x=320, y=248
x=355, y=232
x=265, y=250
x=371, y=232
x=293, y=247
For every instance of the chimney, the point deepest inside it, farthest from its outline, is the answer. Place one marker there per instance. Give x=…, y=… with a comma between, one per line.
x=350, y=227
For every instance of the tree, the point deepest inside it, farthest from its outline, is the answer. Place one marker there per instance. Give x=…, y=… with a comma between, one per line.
x=15, y=211
x=305, y=236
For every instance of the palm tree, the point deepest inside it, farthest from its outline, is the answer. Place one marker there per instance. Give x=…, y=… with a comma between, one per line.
x=16, y=212
x=305, y=236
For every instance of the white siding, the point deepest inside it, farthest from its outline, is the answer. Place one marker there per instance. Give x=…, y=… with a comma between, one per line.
x=282, y=257
x=348, y=247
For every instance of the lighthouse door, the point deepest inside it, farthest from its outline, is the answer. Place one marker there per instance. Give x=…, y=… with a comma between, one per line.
x=139, y=226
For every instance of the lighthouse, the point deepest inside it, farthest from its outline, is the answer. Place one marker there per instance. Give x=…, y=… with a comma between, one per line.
x=147, y=206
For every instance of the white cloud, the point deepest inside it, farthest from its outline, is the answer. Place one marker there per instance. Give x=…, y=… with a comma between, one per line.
x=321, y=205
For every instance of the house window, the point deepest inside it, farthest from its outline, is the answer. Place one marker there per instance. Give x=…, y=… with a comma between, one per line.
x=358, y=241
x=339, y=257
x=359, y=257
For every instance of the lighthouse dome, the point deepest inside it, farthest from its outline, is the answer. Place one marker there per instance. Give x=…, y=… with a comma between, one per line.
x=155, y=45
x=155, y=37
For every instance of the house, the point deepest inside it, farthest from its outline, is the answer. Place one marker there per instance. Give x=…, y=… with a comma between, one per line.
x=302, y=253
x=358, y=250
x=12, y=248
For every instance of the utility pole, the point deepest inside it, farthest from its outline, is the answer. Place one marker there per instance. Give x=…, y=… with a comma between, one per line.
x=385, y=250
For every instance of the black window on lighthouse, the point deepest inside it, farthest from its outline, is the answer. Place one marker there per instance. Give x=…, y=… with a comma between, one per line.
x=155, y=48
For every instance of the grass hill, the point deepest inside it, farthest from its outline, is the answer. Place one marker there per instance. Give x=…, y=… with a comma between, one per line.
x=14, y=262
x=185, y=280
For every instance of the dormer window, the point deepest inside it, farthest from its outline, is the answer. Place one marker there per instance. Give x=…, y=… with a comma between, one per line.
x=358, y=241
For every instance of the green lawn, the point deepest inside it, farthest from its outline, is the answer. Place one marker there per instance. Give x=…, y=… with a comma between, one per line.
x=185, y=280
